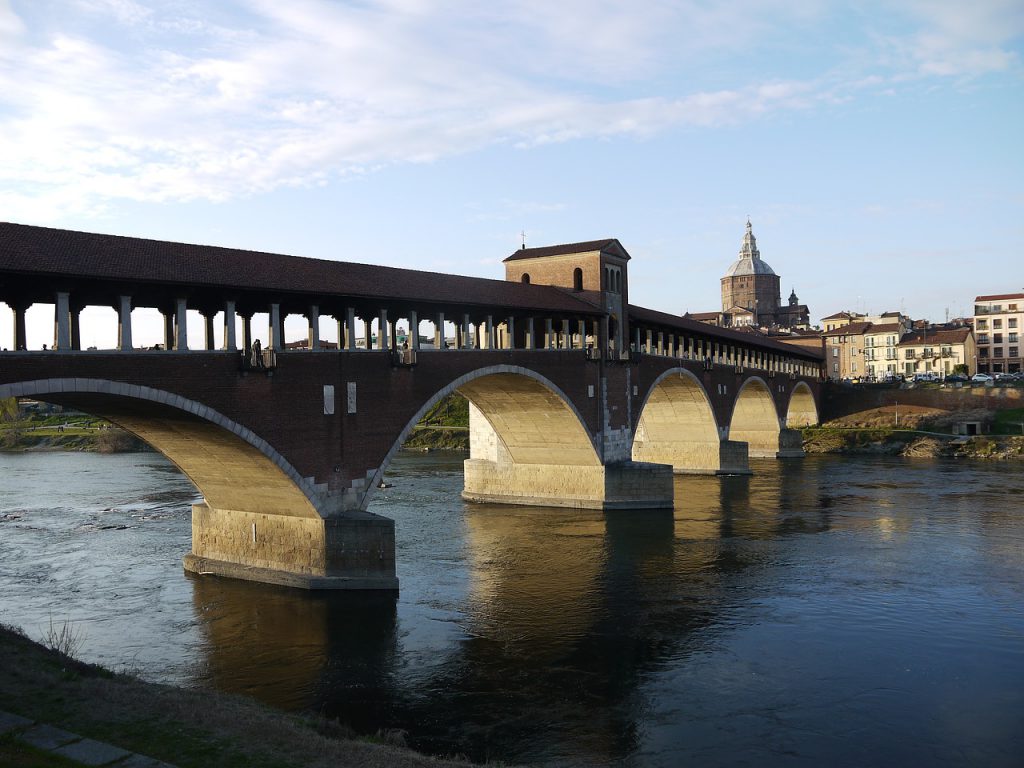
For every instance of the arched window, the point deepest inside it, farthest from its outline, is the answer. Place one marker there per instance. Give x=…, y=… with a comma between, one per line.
x=577, y=279
x=526, y=277
x=604, y=279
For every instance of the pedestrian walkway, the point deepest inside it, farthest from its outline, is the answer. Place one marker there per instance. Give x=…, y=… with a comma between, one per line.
x=72, y=746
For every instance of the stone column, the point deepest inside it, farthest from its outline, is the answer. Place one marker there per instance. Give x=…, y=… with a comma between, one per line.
x=168, y=327
x=439, y=330
x=566, y=336
x=531, y=335
x=414, y=330
x=549, y=333
x=124, y=324
x=76, y=326
x=314, y=327
x=464, y=344
x=20, y=332
x=247, y=333
x=490, y=331
x=229, y=326
x=208, y=334
x=368, y=334
x=661, y=342
x=393, y=335
x=350, y=328
x=382, y=330
x=181, y=325
x=636, y=339
x=62, y=330
x=275, y=329
x=511, y=326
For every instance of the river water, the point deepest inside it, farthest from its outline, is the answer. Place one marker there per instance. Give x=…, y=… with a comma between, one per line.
x=826, y=611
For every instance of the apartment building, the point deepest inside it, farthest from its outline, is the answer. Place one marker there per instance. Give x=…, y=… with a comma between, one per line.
x=937, y=351
x=998, y=322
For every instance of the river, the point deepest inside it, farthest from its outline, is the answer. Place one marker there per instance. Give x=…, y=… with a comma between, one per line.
x=827, y=611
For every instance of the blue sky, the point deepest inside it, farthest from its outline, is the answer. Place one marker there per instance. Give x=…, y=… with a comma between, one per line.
x=876, y=146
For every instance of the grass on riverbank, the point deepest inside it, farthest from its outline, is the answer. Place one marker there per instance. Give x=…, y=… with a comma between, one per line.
x=200, y=729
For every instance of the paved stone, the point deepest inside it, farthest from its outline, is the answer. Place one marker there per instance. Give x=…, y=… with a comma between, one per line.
x=9, y=722
x=89, y=752
x=141, y=761
x=47, y=737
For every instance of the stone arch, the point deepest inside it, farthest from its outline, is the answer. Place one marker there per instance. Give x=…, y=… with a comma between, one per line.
x=517, y=428
x=802, y=410
x=231, y=466
x=755, y=419
x=677, y=425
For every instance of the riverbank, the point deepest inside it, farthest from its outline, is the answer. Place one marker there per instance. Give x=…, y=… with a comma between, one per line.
x=913, y=443
x=186, y=728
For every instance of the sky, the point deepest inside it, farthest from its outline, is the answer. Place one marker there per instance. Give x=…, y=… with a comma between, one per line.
x=877, y=147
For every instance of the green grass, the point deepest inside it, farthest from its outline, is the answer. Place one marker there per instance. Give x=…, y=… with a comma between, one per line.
x=1008, y=422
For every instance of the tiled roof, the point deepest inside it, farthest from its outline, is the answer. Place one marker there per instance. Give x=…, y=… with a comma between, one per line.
x=30, y=250
x=689, y=325
x=853, y=329
x=838, y=316
x=953, y=336
x=703, y=315
x=884, y=327
x=611, y=244
x=994, y=297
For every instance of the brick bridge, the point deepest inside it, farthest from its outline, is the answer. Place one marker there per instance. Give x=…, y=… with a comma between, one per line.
x=577, y=398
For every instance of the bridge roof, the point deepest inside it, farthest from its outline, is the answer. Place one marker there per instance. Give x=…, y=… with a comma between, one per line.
x=664, y=319
x=609, y=245
x=31, y=250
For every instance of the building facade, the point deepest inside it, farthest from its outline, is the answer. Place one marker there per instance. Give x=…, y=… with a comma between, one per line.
x=937, y=351
x=998, y=321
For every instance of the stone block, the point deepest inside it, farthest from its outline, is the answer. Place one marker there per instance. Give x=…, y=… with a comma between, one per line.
x=89, y=752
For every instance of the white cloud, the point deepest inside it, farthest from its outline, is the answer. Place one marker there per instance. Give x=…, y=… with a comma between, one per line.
x=296, y=93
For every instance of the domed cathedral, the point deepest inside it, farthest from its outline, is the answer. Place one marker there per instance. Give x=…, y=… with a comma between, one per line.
x=595, y=269
x=751, y=295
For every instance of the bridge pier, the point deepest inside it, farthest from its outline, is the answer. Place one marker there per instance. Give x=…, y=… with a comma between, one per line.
x=354, y=551
x=692, y=457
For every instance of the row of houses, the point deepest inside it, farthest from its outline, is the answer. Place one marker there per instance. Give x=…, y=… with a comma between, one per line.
x=890, y=345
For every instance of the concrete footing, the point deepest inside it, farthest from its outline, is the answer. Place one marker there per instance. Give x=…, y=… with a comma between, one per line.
x=624, y=485
x=356, y=551
x=721, y=457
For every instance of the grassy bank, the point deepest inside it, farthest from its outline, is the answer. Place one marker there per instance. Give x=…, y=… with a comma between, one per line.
x=445, y=427
x=186, y=728
x=909, y=442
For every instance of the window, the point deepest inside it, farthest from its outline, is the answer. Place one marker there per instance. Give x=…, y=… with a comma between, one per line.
x=983, y=352
x=997, y=352
x=997, y=338
x=1012, y=308
x=983, y=325
x=835, y=367
x=526, y=277
x=1011, y=323
x=997, y=323
x=835, y=351
x=1014, y=352
x=909, y=354
x=1012, y=338
x=983, y=339
x=577, y=279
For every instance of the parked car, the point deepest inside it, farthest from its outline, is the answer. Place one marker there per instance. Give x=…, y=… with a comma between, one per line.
x=955, y=377
x=925, y=377
x=981, y=378
x=1005, y=377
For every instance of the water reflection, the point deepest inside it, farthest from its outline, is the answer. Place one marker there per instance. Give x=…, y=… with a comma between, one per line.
x=824, y=611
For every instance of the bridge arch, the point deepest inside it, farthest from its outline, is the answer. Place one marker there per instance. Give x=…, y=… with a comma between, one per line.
x=231, y=466
x=755, y=419
x=803, y=409
x=528, y=419
x=677, y=425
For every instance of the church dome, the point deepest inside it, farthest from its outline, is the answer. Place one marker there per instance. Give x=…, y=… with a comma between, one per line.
x=749, y=262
